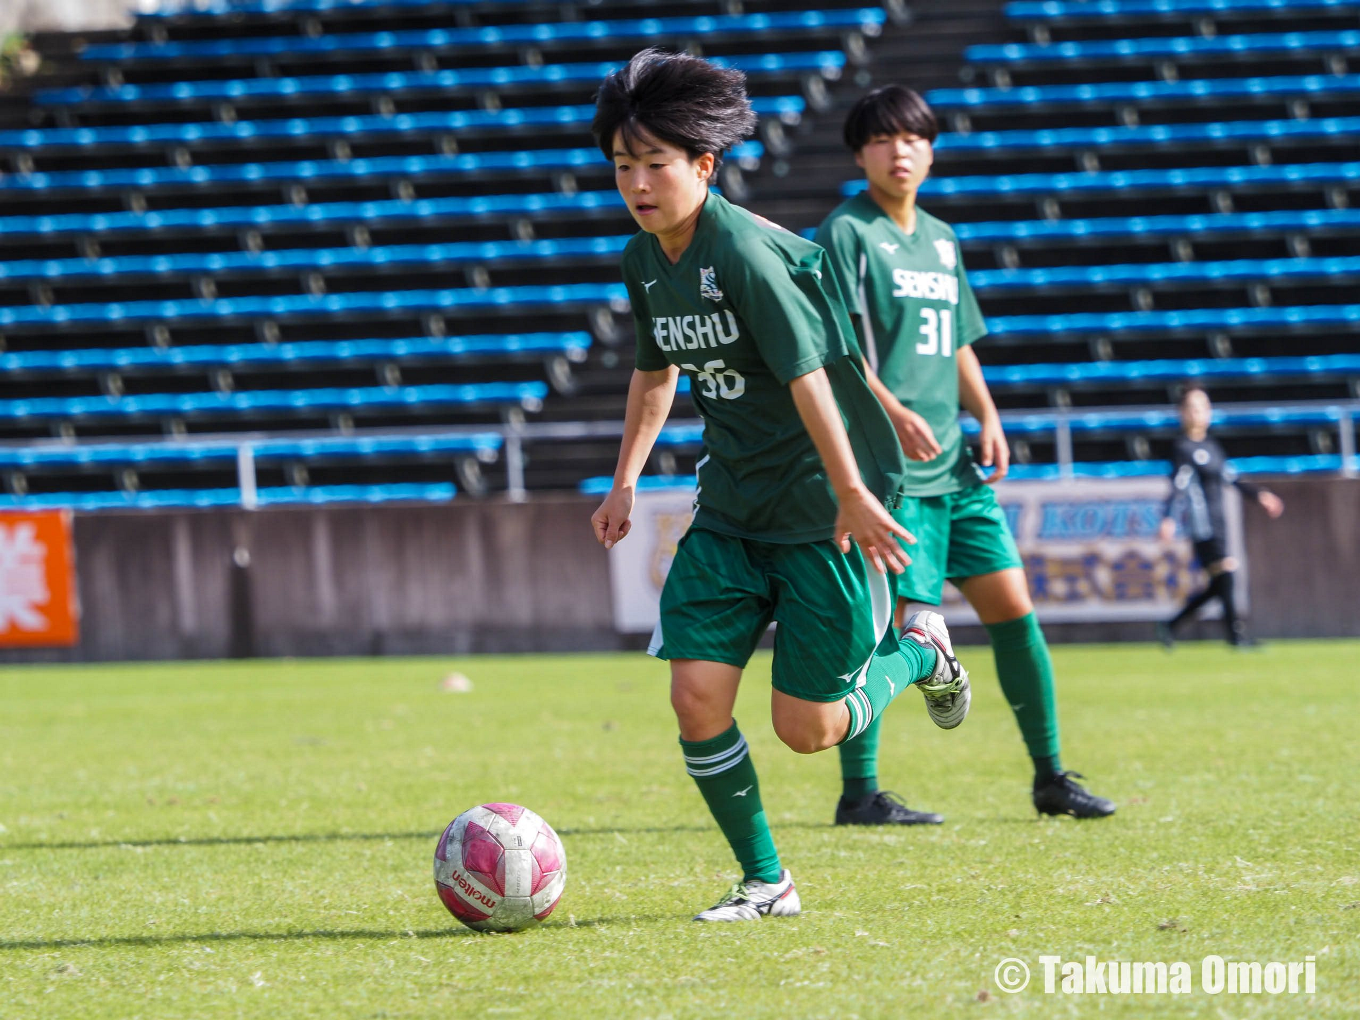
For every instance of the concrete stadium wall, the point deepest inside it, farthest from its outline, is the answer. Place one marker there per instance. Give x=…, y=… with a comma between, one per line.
x=469, y=577
x=495, y=576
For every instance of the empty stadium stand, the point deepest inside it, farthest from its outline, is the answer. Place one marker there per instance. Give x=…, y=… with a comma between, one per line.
x=258, y=251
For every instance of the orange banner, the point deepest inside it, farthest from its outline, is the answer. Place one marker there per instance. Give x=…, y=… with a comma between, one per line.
x=37, y=580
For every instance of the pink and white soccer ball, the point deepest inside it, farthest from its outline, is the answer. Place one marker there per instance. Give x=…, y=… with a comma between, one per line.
x=500, y=867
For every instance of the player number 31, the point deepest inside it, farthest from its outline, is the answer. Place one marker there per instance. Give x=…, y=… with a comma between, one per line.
x=937, y=329
x=718, y=380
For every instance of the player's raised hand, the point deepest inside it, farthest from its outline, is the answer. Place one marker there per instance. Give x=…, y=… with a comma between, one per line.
x=862, y=516
x=996, y=452
x=612, y=520
x=915, y=435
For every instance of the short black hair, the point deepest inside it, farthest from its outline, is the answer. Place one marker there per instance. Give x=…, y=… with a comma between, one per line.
x=890, y=110
x=675, y=98
x=1189, y=388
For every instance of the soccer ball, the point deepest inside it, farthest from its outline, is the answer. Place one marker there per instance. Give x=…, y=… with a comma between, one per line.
x=499, y=867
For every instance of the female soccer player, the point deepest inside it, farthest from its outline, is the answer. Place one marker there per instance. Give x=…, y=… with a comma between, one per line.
x=798, y=457
x=1199, y=473
x=918, y=319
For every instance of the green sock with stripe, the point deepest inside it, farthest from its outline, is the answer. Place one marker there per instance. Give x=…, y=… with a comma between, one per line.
x=1025, y=670
x=723, y=771
x=859, y=763
x=895, y=666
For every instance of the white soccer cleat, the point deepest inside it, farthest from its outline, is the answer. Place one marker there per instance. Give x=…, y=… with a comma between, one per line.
x=946, y=689
x=750, y=901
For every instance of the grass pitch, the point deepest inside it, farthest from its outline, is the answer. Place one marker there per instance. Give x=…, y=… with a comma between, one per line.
x=255, y=840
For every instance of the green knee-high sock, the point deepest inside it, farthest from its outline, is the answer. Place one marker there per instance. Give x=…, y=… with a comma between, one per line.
x=723, y=771
x=1026, y=672
x=859, y=763
x=895, y=666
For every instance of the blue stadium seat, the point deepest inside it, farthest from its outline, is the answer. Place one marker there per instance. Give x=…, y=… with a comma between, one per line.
x=1142, y=91
x=529, y=395
x=322, y=212
x=1313, y=464
x=312, y=258
x=1158, y=420
x=685, y=434
x=1297, y=317
x=1171, y=370
x=369, y=212
x=303, y=353
x=328, y=127
x=379, y=166
x=483, y=445
x=1164, y=48
x=1302, y=465
x=409, y=81
x=1152, y=134
x=1130, y=180
x=1070, y=10
x=647, y=483
x=491, y=35
x=1139, y=274
x=439, y=492
x=1043, y=422
x=1112, y=469
x=1202, y=226
x=308, y=304
x=219, y=7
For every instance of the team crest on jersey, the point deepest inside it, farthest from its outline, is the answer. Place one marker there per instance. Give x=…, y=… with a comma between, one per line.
x=949, y=255
x=708, y=285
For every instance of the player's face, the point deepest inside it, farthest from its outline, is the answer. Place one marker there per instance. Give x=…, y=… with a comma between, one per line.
x=896, y=165
x=1196, y=411
x=663, y=186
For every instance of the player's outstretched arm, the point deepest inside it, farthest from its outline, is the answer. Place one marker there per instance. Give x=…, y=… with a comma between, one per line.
x=860, y=513
x=650, y=395
x=976, y=399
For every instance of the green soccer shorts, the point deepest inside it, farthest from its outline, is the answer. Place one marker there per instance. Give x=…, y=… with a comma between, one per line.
x=958, y=535
x=833, y=610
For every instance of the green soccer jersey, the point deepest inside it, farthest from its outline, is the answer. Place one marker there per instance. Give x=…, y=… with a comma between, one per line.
x=910, y=299
x=747, y=309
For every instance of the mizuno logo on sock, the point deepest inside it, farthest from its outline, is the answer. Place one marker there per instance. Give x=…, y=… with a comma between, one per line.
x=892, y=687
x=743, y=793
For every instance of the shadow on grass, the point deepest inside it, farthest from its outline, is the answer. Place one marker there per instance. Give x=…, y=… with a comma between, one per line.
x=341, y=837
x=323, y=934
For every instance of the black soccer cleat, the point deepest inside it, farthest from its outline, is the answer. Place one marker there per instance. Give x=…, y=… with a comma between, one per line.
x=1063, y=795
x=882, y=808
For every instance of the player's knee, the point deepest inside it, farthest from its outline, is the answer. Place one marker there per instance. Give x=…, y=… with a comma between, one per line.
x=688, y=704
x=697, y=710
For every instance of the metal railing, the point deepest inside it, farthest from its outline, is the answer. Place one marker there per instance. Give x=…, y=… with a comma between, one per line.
x=515, y=435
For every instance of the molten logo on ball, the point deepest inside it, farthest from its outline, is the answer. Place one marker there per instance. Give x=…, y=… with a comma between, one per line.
x=499, y=867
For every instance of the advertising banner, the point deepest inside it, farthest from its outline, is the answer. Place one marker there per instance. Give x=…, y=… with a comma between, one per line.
x=1090, y=549
x=37, y=580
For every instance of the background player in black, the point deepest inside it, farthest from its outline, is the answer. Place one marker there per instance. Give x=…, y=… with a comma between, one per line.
x=1199, y=473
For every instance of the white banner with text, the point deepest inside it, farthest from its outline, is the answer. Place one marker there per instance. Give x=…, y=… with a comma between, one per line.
x=1090, y=550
